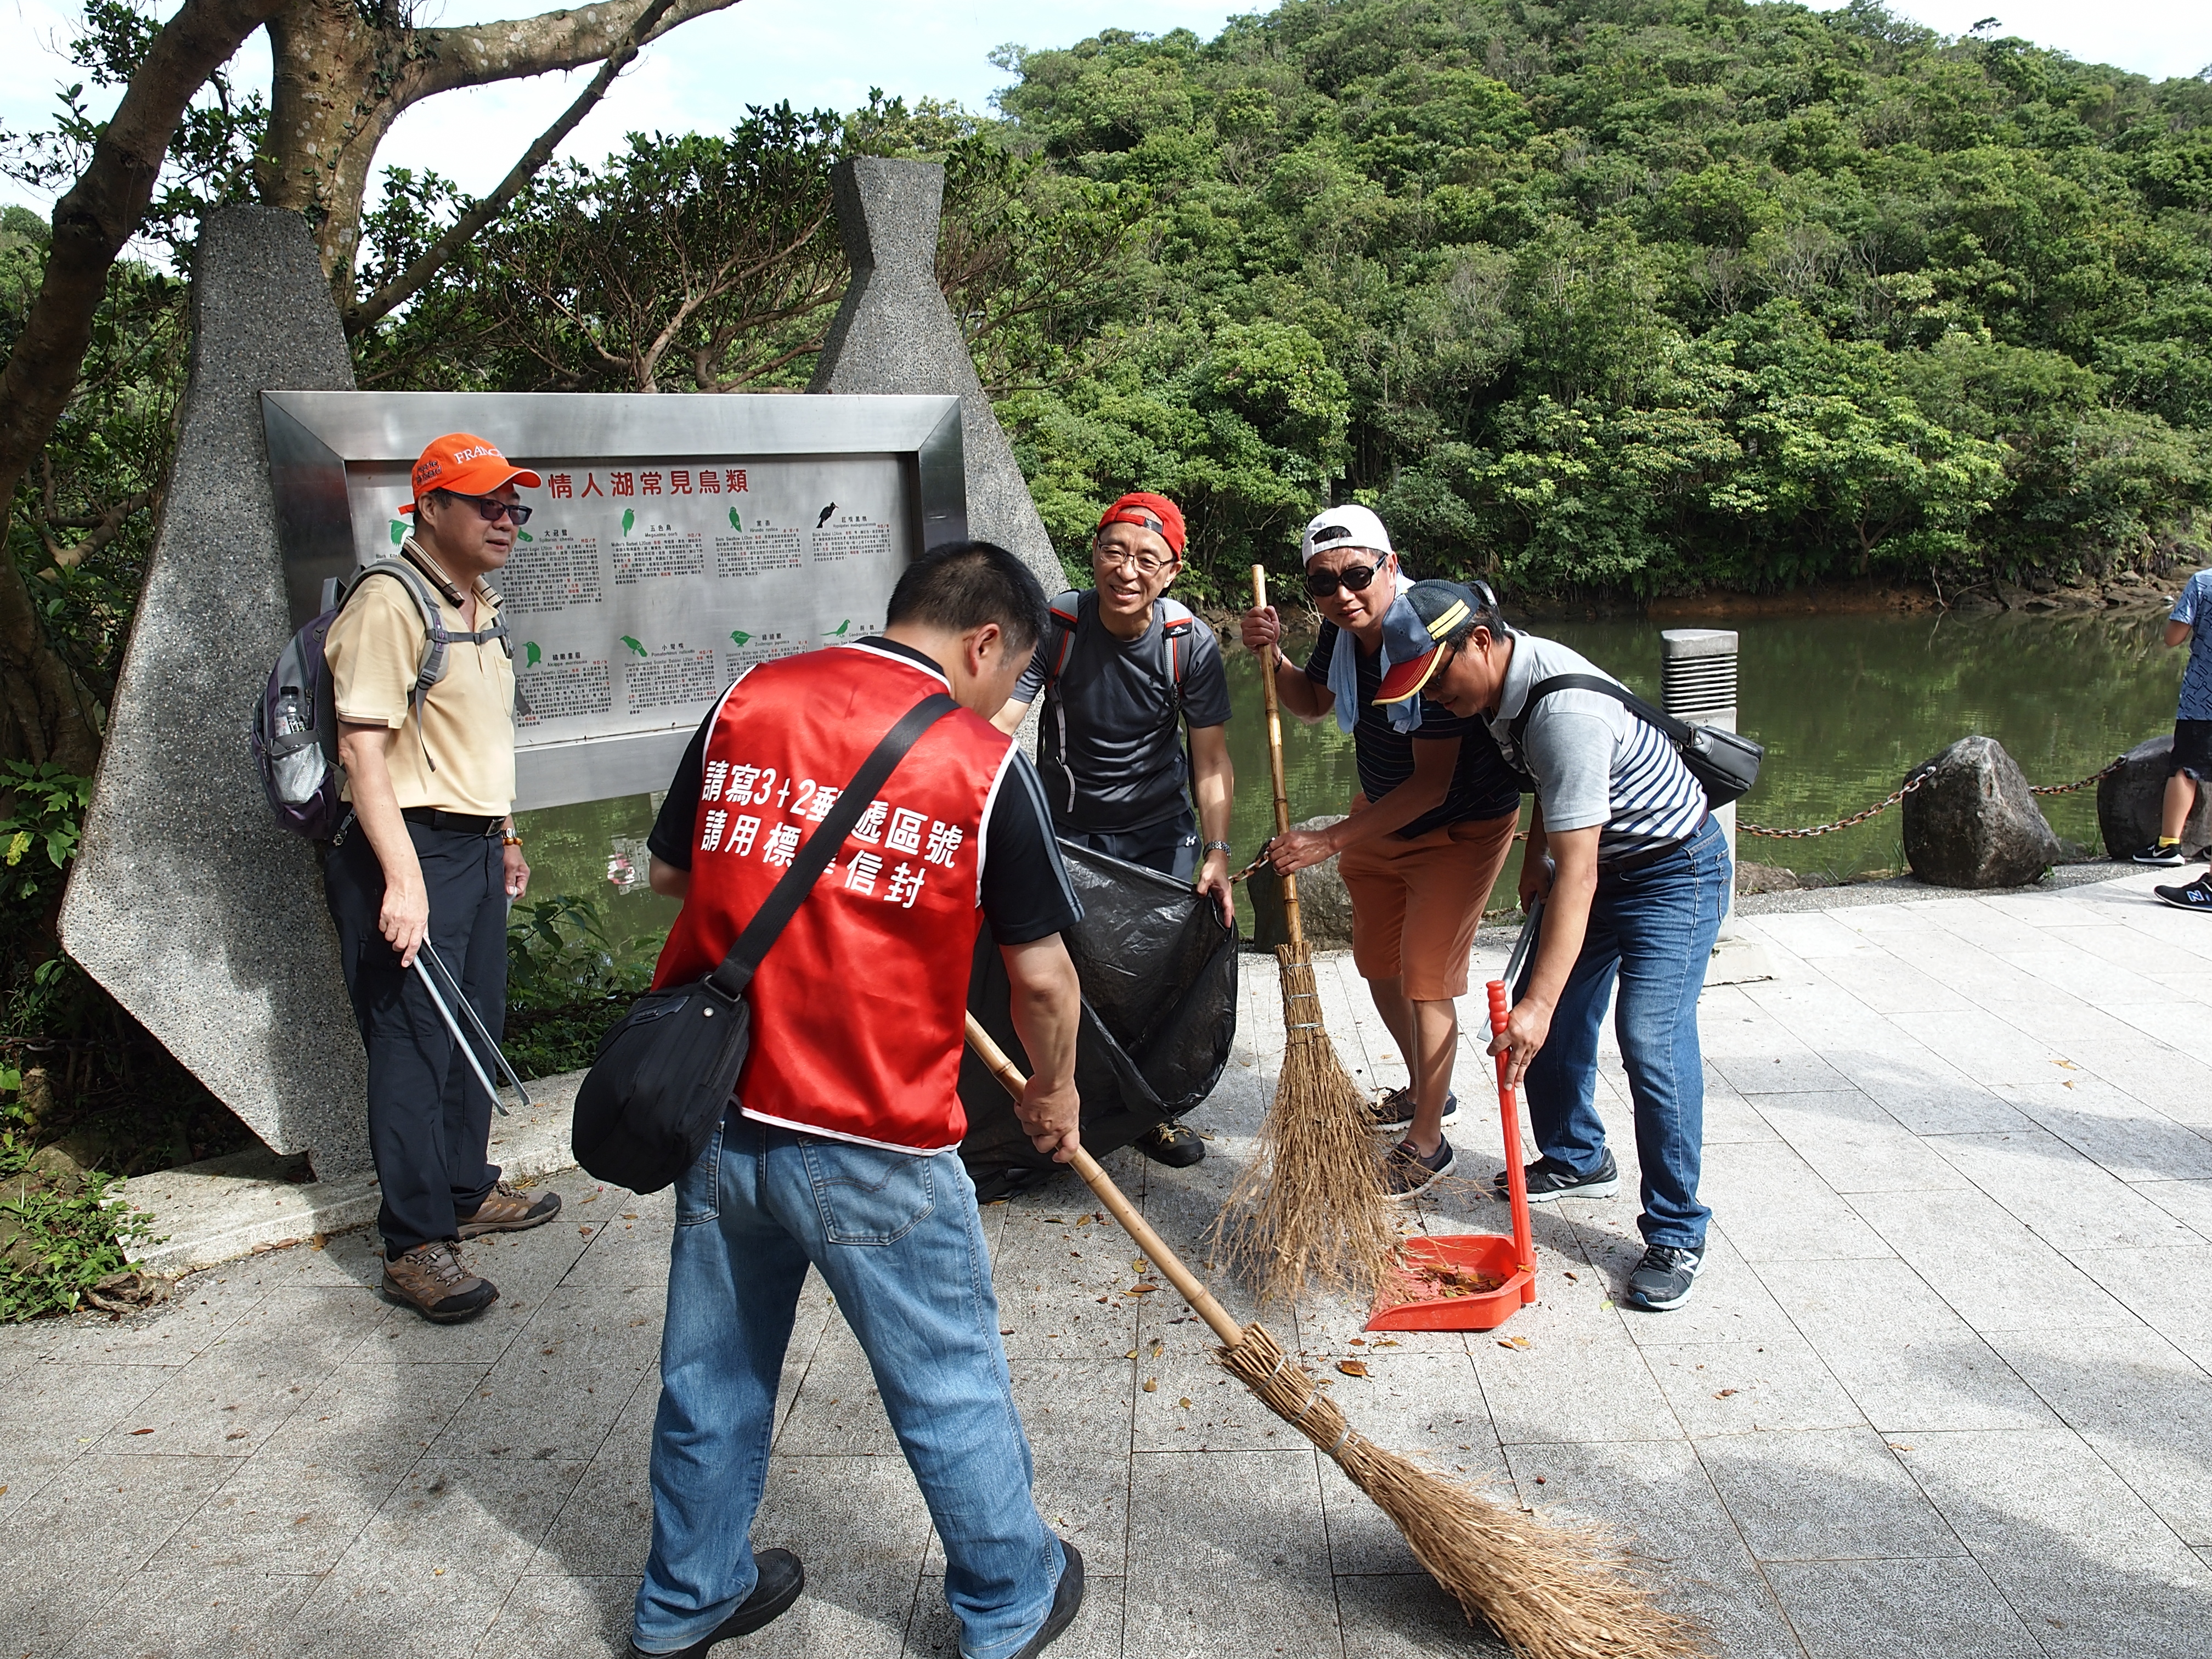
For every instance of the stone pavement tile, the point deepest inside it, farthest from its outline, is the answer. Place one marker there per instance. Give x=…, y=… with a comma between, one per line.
x=432, y=1569
x=1813, y=935
x=551, y=1617
x=1655, y=1497
x=1996, y=1272
x=188, y=1612
x=1586, y=1384
x=1405, y=1616
x=838, y=1410
x=373, y=1417
x=2134, y=1141
x=2140, y=1402
x=1823, y=1495
x=1049, y=1278
x=1888, y=983
x=1796, y=1072
x=1775, y=1208
x=2094, y=977
x=1095, y=1633
x=605, y=1525
x=2177, y=1084
x=1427, y=1408
x=1986, y=1045
x=1196, y=1406
x=2188, y=1201
x=1899, y=1610
x=1729, y=1116
x=275, y=1515
x=629, y=1248
x=1855, y=1145
x=1746, y=1388
x=22, y=1475
x=1228, y=1557
x=1898, y=1349
x=1077, y=1414
x=2082, y=1559
x=2069, y=1201
x=1924, y=1093
x=1993, y=925
x=95, y=1521
x=1729, y=1305
x=858, y=1527
x=57, y=1408
x=198, y=1312
x=558, y=1389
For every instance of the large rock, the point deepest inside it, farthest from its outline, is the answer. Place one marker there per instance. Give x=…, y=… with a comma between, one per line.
x=1973, y=824
x=1324, y=908
x=2132, y=800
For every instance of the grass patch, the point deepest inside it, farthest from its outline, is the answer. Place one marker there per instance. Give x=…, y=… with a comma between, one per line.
x=62, y=1231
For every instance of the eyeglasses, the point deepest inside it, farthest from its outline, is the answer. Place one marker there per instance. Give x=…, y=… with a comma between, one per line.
x=490, y=508
x=1145, y=564
x=1353, y=578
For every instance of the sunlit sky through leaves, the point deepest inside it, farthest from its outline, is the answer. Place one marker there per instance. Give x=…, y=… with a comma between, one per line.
x=829, y=52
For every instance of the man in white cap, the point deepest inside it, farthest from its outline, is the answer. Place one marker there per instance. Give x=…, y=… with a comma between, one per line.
x=1428, y=832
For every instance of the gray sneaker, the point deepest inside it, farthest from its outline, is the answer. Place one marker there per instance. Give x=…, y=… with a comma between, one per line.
x=1661, y=1280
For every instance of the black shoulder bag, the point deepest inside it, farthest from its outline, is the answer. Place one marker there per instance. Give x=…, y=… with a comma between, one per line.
x=664, y=1075
x=1726, y=763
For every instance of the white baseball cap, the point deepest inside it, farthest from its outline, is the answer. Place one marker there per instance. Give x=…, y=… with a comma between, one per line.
x=1344, y=526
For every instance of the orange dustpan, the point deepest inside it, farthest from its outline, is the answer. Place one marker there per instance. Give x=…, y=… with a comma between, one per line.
x=1469, y=1281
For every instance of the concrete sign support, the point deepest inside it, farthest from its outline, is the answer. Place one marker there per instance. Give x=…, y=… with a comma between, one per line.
x=1697, y=682
x=187, y=901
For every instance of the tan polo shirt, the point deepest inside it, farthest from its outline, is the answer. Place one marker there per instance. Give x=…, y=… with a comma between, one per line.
x=467, y=726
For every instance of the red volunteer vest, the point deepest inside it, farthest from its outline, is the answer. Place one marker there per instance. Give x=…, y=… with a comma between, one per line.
x=858, y=1008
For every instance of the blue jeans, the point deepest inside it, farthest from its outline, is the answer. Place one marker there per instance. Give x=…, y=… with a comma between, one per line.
x=898, y=1242
x=1653, y=930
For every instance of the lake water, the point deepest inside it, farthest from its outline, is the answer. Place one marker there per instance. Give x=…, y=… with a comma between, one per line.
x=1845, y=706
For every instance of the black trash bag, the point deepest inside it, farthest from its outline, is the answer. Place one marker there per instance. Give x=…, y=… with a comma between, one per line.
x=1159, y=1013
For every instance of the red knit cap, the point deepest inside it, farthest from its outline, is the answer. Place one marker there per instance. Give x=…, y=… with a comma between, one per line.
x=1154, y=513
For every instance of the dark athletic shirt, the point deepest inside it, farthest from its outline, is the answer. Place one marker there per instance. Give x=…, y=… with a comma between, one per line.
x=1026, y=895
x=1481, y=788
x=1109, y=746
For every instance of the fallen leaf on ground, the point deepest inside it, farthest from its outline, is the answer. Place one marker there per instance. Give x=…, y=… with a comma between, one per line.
x=1724, y=1394
x=1151, y=1385
x=1352, y=1367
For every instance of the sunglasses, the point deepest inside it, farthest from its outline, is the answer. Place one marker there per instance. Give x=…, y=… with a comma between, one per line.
x=490, y=508
x=1353, y=578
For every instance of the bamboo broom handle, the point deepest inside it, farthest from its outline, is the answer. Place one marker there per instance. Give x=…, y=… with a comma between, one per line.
x=1275, y=759
x=1094, y=1176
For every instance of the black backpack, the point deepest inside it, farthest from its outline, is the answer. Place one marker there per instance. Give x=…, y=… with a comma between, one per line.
x=1725, y=764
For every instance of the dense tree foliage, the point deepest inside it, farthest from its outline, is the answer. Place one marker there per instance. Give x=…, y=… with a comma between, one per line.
x=1643, y=294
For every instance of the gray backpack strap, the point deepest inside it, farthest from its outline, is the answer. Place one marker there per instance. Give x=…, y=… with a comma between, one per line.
x=436, y=637
x=1177, y=626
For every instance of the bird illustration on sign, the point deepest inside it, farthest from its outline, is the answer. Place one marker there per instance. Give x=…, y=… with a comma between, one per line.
x=633, y=645
x=826, y=512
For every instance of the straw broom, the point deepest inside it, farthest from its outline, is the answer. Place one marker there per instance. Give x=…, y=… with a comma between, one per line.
x=1551, y=1592
x=1310, y=1204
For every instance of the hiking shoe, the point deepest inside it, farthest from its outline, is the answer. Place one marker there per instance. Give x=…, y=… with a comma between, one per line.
x=777, y=1587
x=2197, y=896
x=507, y=1211
x=1662, y=1279
x=1406, y=1174
x=1170, y=1143
x=1394, y=1113
x=1550, y=1180
x=432, y=1279
x=1066, y=1600
x=2164, y=857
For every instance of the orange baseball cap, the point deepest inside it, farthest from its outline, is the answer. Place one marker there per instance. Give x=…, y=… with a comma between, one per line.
x=1148, y=511
x=467, y=465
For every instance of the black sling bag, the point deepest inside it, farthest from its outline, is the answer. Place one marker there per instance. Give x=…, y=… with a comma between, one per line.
x=1726, y=763
x=664, y=1075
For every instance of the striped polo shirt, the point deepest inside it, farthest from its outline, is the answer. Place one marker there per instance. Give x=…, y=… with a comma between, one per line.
x=1594, y=761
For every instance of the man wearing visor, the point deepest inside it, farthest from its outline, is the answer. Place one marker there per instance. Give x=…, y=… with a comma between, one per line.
x=1124, y=670
x=1429, y=830
x=429, y=855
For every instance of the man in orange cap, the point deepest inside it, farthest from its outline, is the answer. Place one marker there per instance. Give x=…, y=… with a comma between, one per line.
x=1123, y=669
x=429, y=855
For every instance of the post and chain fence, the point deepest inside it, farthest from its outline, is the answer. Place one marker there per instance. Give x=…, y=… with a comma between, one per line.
x=1909, y=786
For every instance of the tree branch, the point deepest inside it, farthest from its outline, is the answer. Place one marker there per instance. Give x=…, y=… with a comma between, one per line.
x=366, y=312
x=485, y=52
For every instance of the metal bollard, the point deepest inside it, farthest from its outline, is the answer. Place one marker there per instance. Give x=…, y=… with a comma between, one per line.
x=1697, y=682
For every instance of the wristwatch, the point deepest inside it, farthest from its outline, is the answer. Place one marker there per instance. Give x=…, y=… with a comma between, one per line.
x=1213, y=846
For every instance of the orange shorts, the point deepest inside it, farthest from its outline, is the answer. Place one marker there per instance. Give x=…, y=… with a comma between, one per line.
x=1415, y=904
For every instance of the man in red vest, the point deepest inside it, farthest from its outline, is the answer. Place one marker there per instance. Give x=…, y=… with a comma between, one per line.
x=841, y=1148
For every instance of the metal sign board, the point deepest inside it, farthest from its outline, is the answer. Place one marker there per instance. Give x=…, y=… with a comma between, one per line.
x=678, y=538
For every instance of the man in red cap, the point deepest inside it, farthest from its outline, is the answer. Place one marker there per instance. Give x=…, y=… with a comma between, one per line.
x=1121, y=669
x=429, y=855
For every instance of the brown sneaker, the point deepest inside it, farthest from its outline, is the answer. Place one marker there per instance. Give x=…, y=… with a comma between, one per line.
x=507, y=1211
x=432, y=1279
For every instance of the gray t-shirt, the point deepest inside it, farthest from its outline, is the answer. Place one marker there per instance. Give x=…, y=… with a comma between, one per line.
x=1109, y=736
x=1594, y=761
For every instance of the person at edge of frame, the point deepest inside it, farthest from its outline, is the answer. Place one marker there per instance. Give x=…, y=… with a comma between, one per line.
x=1429, y=830
x=1118, y=680
x=2190, y=762
x=841, y=1147
x=429, y=855
x=1635, y=875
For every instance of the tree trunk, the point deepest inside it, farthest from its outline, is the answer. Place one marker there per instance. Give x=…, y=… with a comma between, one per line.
x=342, y=77
x=51, y=715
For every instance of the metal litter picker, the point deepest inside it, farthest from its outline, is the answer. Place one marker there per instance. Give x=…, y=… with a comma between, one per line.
x=1551, y=1592
x=445, y=1013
